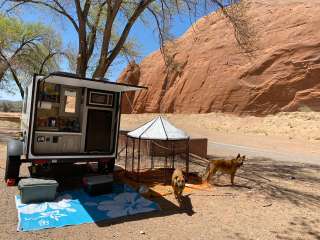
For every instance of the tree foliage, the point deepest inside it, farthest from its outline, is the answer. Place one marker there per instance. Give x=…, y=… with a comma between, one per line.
x=25, y=49
x=103, y=26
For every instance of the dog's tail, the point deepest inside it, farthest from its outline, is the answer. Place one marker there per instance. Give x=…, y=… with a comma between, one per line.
x=206, y=174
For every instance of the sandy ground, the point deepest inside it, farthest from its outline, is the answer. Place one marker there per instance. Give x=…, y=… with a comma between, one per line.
x=272, y=199
x=9, y=125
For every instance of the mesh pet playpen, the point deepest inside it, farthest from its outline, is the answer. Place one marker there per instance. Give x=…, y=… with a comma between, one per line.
x=154, y=150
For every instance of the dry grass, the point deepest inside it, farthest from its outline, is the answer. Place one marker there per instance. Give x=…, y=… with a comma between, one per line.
x=294, y=125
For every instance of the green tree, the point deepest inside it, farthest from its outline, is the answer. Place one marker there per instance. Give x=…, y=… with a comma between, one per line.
x=103, y=26
x=25, y=49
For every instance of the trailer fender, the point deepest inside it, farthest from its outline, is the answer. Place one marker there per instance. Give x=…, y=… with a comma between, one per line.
x=14, y=148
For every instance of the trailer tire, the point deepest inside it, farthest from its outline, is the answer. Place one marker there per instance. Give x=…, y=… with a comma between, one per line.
x=110, y=164
x=12, y=168
x=13, y=162
x=101, y=167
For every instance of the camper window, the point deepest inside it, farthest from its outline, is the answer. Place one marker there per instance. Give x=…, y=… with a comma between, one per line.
x=70, y=101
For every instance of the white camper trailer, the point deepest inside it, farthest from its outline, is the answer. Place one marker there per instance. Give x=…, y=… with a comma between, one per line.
x=67, y=119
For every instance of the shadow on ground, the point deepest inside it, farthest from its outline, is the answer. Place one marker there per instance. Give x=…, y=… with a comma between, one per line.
x=70, y=178
x=278, y=180
x=302, y=227
x=167, y=209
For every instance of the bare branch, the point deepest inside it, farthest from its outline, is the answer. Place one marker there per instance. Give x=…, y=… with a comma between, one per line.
x=57, y=8
x=101, y=70
x=86, y=8
x=235, y=13
x=16, y=79
x=9, y=66
x=161, y=38
x=93, y=33
x=112, y=12
x=47, y=58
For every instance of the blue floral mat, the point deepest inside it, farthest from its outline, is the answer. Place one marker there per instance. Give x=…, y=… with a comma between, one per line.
x=77, y=207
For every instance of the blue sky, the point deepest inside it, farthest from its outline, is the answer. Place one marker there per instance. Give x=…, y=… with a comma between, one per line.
x=146, y=38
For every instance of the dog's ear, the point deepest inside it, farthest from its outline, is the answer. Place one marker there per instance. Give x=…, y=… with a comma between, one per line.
x=243, y=157
x=238, y=156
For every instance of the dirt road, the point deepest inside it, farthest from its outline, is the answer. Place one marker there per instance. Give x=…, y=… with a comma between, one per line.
x=279, y=149
x=292, y=137
x=225, y=149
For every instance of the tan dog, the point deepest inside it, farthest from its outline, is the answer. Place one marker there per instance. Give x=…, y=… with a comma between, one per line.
x=178, y=183
x=224, y=166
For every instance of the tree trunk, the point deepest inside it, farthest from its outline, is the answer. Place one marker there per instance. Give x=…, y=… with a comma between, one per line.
x=3, y=68
x=107, y=59
x=82, y=60
x=102, y=68
x=112, y=11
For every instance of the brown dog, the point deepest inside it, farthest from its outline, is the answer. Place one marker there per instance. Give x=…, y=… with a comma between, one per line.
x=224, y=166
x=178, y=183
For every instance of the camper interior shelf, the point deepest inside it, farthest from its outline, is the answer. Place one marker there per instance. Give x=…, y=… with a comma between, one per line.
x=49, y=92
x=58, y=108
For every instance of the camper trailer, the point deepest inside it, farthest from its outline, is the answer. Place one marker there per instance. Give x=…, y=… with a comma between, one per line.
x=67, y=119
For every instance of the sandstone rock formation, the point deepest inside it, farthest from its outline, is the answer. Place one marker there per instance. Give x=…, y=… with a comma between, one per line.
x=130, y=75
x=213, y=75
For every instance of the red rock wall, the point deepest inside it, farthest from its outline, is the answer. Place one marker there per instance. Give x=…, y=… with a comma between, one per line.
x=213, y=75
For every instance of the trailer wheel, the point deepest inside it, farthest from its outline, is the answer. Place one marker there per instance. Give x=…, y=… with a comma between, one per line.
x=110, y=164
x=13, y=162
x=101, y=167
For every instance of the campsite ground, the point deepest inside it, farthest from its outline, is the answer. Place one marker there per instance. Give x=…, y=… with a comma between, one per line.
x=273, y=198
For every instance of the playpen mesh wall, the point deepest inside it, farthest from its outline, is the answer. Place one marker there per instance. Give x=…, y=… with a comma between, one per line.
x=140, y=156
x=152, y=167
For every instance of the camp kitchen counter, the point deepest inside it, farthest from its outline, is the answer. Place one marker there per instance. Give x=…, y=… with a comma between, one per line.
x=53, y=142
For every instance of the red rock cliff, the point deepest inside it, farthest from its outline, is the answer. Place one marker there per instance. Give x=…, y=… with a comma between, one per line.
x=214, y=76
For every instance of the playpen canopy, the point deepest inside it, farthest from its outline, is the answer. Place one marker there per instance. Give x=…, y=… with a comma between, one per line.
x=158, y=129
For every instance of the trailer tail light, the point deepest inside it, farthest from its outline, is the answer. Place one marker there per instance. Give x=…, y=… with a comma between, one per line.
x=11, y=182
x=40, y=161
